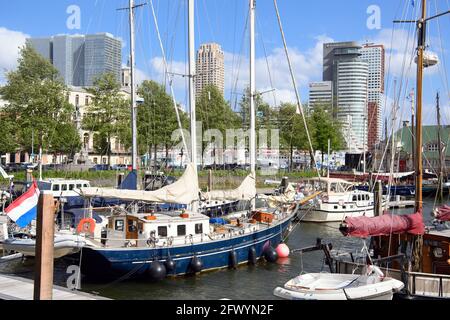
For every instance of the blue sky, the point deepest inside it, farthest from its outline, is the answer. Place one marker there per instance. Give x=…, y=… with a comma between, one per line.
x=307, y=24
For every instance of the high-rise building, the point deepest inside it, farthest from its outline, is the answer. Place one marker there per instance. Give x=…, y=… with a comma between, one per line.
x=126, y=77
x=80, y=59
x=349, y=73
x=210, y=67
x=320, y=94
x=375, y=56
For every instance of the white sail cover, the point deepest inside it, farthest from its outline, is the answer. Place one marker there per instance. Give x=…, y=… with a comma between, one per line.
x=184, y=191
x=246, y=191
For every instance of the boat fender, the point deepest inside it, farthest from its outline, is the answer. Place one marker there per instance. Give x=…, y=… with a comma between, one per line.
x=170, y=265
x=233, y=259
x=270, y=254
x=86, y=226
x=196, y=264
x=157, y=271
x=252, y=256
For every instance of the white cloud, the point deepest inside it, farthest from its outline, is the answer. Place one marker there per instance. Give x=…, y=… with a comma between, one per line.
x=10, y=41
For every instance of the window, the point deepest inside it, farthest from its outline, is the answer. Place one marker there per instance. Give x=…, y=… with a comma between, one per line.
x=85, y=185
x=55, y=187
x=162, y=232
x=119, y=225
x=86, y=101
x=64, y=187
x=181, y=230
x=71, y=186
x=79, y=186
x=335, y=207
x=199, y=228
x=77, y=100
x=355, y=198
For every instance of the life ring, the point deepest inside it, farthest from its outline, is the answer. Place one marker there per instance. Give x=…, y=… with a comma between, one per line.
x=86, y=226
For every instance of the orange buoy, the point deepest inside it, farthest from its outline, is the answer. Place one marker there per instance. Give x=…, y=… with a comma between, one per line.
x=283, y=250
x=86, y=226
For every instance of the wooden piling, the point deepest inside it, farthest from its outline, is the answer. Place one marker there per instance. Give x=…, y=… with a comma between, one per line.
x=378, y=197
x=43, y=283
x=210, y=180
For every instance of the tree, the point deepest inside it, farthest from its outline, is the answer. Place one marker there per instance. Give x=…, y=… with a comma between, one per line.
x=8, y=135
x=292, y=129
x=157, y=119
x=264, y=113
x=325, y=128
x=37, y=101
x=215, y=113
x=108, y=114
x=65, y=140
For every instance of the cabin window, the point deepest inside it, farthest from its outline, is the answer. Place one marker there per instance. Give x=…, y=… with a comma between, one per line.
x=162, y=232
x=85, y=185
x=335, y=207
x=181, y=230
x=78, y=186
x=119, y=225
x=359, y=197
x=367, y=197
x=355, y=198
x=55, y=187
x=71, y=186
x=344, y=207
x=64, y=187
x=199, y=228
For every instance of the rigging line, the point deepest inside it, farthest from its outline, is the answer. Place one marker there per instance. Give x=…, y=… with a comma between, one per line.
x=233, y=50
x=444, y=65
x=209, y=21
x=388, y=71
x=297, y=94
x=169, y=77
x=267, y=63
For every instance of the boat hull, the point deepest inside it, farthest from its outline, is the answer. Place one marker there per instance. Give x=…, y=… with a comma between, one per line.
x=134, y=262
x=333, y=216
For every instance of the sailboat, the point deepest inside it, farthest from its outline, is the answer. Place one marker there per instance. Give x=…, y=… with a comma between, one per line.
x=145, y=243
x=416, y=255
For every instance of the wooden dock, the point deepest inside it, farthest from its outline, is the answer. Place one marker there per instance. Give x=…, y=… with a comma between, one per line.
x=14, y=288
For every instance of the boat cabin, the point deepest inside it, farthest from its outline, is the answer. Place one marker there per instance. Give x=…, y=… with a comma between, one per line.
x=168, y=228
x=63, y=187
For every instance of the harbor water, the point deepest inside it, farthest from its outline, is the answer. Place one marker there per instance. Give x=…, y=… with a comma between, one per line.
x=246, y=282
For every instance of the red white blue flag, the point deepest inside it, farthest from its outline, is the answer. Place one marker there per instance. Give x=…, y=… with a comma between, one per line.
x=24, y=209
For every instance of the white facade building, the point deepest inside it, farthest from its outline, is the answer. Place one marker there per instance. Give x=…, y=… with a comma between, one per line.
x=320, y=93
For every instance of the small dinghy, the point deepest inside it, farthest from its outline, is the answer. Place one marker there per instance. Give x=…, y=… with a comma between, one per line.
x=64, y=244
x=332, y=286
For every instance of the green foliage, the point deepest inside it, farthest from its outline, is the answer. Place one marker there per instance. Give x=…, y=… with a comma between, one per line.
x=65, y=140
x=37, y=101
x=157, y=119
x=7, y=134
x=214, y=112
x=325, y=128
x=108, y=115
x=265, y=115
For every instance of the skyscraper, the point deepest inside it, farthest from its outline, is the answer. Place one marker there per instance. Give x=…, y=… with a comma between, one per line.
x=210, y=67
x=80, y=59
x=320, y=94
x=349, y=73
x=375, y=57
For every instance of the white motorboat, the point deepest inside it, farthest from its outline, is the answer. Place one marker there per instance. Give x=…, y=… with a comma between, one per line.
x=64, y=244
x=339, y=201
x=336, y=286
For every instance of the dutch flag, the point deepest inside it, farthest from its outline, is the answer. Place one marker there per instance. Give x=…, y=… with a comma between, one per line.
x=24, y=209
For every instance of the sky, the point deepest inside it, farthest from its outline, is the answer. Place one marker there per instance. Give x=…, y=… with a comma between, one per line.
x=307, y=25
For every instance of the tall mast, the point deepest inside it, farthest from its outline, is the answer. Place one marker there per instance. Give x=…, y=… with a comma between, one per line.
x=421, y=28
x=441, y=159
x=191, y=41
x=412, y=129
x=134, y=155
x=252, y=93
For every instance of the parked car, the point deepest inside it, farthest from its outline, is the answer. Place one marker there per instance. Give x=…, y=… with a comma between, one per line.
x=100, y=167
x=121, y=167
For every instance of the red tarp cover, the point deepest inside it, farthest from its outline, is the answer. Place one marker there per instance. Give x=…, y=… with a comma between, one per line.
x=363, y=227
x=443, y=213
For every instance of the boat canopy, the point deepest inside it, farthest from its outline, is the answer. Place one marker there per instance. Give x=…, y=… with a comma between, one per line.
x=246, y=191
x=332, y=184
x=364, y=227
x=183, y=191
x=443, y=213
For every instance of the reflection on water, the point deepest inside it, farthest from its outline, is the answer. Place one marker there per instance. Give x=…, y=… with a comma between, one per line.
x=247, y=282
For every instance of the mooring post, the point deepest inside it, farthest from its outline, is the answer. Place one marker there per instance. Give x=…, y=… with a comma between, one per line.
x=210, y=180
x=43, y=283
x=378, y=196
x=29, y=175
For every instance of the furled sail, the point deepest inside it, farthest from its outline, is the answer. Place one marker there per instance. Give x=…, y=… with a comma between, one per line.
x=246, y=191
x=287, y=197
x=363, y=227
x=443, y=213
x=184, y=191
